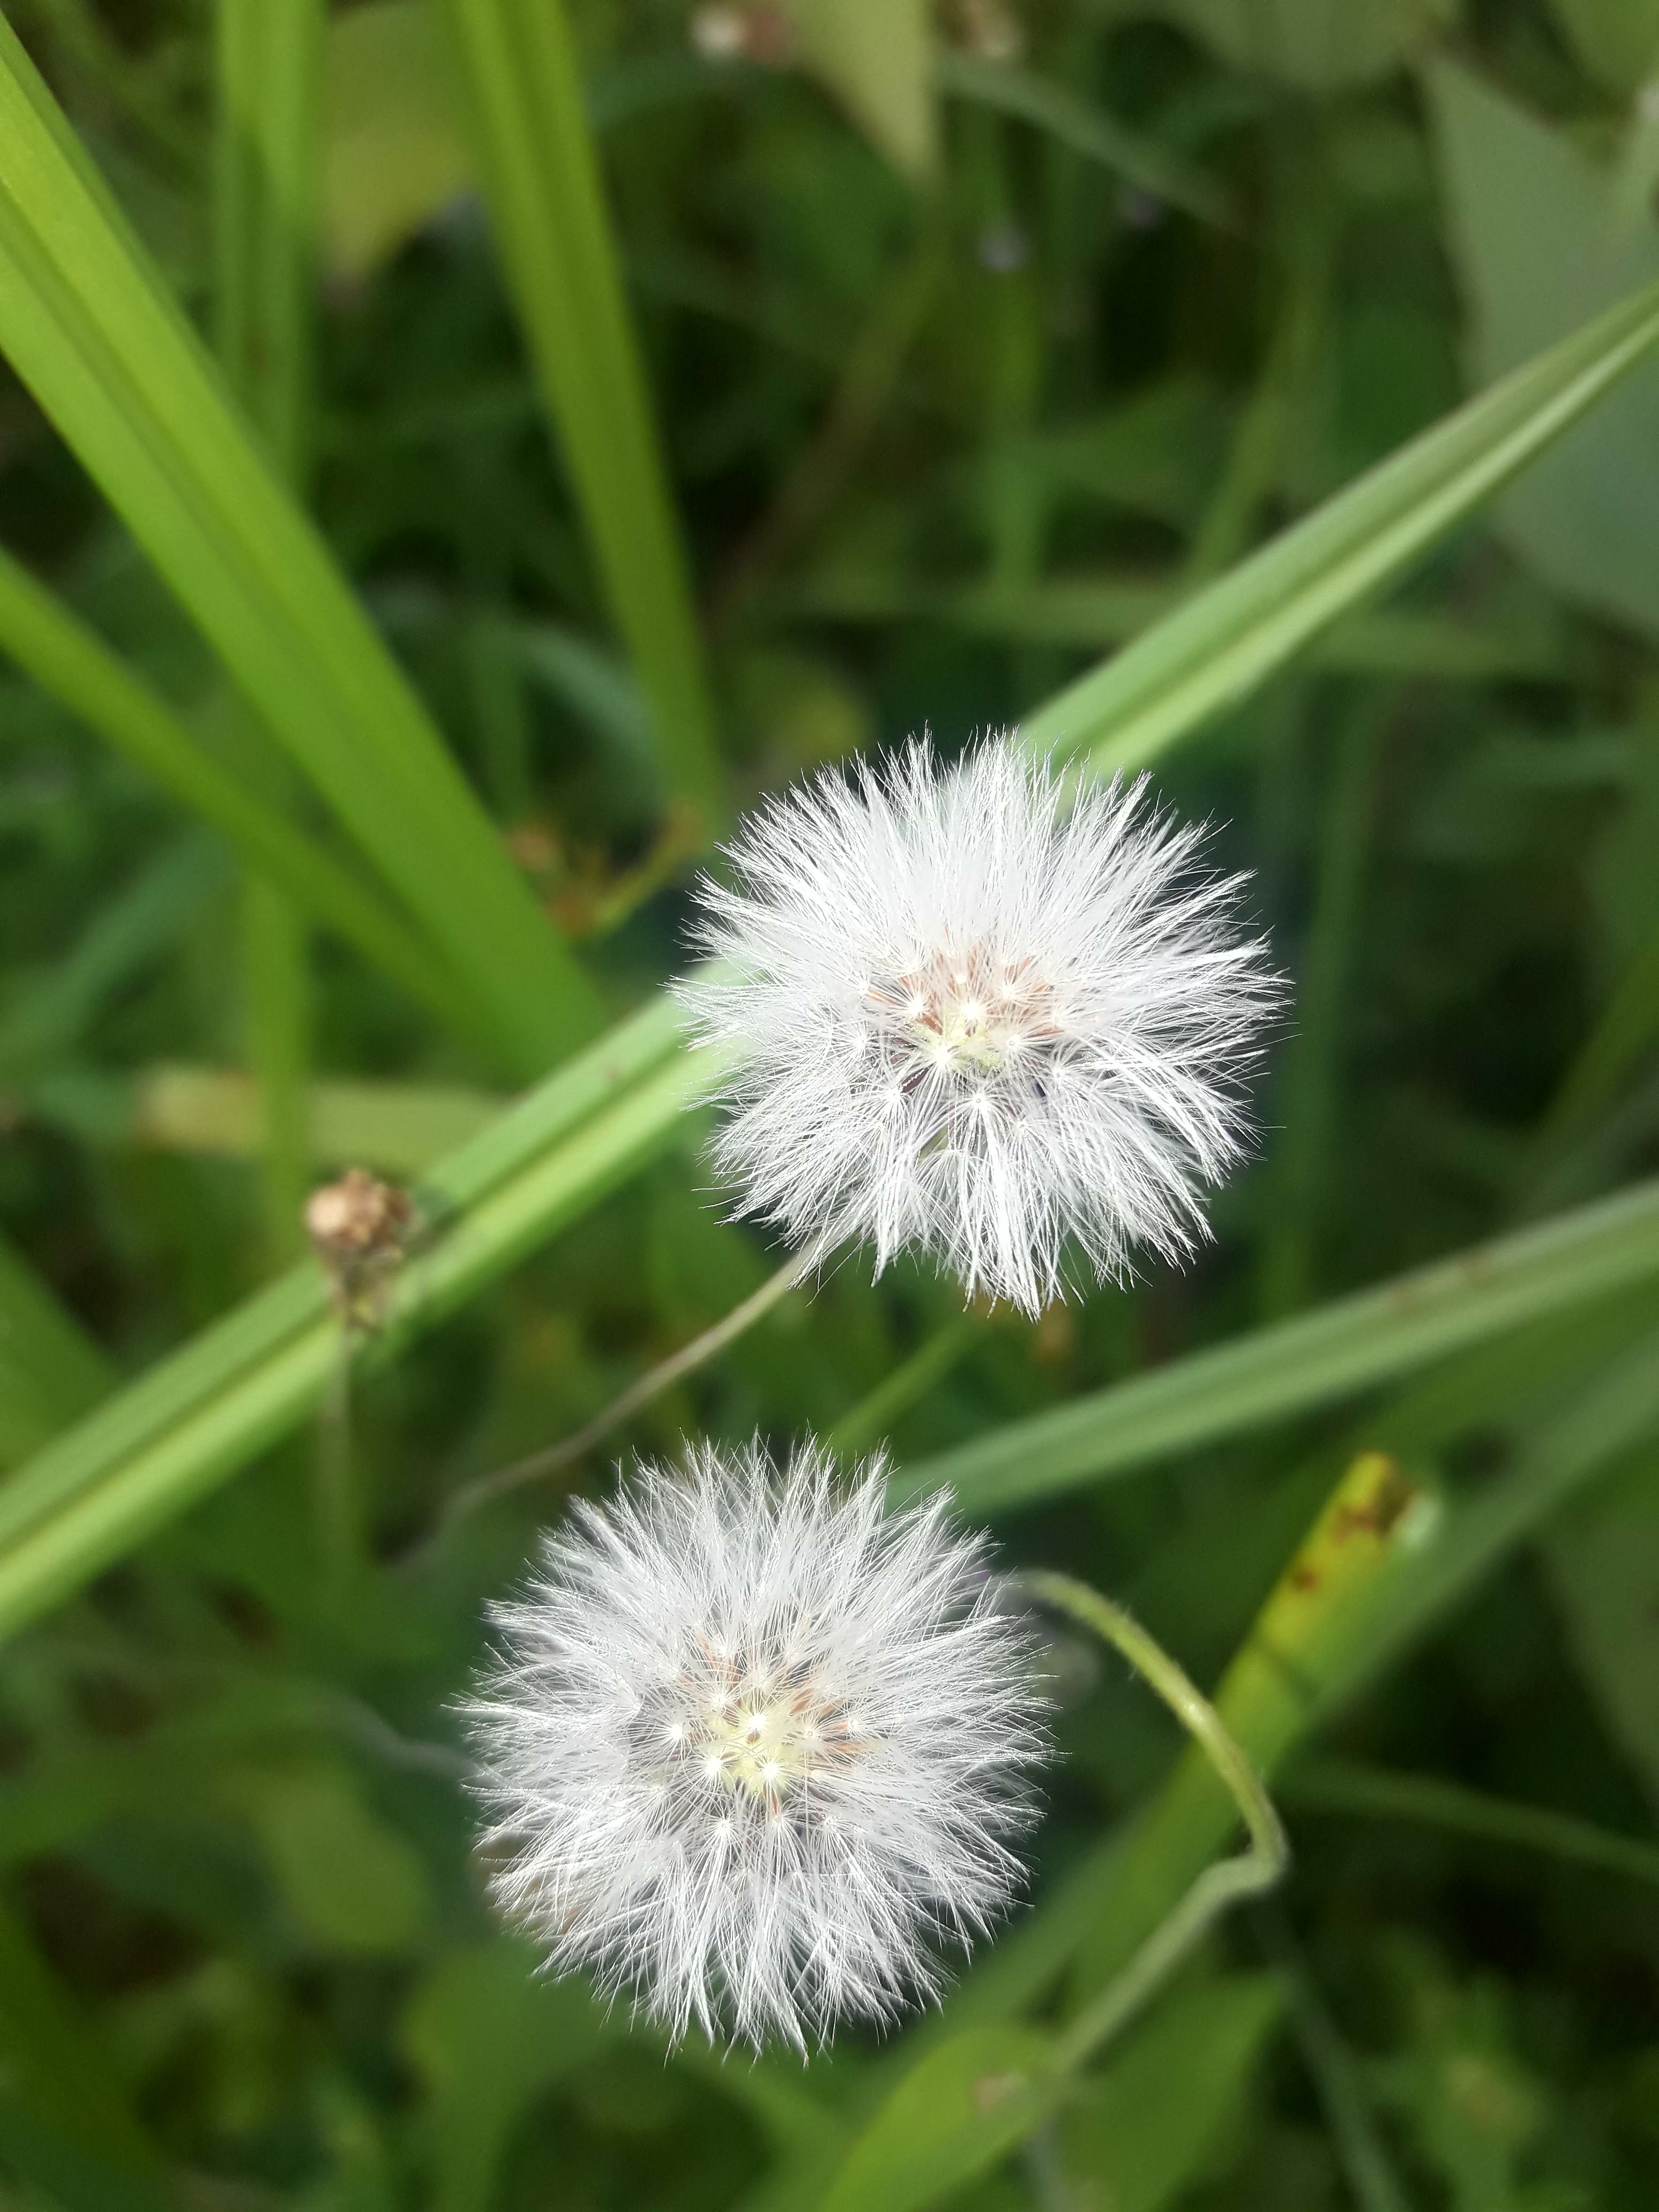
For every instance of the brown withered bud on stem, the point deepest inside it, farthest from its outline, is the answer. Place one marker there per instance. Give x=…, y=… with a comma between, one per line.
x=358, y=1229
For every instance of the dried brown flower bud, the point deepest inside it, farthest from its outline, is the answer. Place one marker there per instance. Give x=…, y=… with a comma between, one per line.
x=359, y=1227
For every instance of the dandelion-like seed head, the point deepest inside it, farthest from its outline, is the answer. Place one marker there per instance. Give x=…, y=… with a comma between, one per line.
x=980, y=1011
x=751, y=1745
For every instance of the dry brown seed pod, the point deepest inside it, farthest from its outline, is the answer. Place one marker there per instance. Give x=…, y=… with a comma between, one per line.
x=358, y=1229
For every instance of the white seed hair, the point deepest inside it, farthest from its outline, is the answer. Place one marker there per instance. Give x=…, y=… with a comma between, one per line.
x=751, y=1746
x=980, y=1010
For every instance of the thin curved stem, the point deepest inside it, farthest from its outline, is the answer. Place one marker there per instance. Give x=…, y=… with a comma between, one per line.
x=486, y=1488
x=1220, y=1887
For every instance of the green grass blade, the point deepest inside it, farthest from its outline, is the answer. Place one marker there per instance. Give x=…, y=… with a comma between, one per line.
x=70, y=660
x=51, y=1372
x=1296, y=1365
x=1233, y=635
x=1373, y=1793
x=547, y=202
x=91, y=332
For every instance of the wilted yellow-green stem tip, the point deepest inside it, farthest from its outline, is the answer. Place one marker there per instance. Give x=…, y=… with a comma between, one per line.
x=1308, y=1638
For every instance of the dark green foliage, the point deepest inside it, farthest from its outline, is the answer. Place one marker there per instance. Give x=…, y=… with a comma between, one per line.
x=937, y=442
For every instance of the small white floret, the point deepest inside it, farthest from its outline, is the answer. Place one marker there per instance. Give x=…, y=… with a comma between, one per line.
x=751, y=1746
x=979, y=1011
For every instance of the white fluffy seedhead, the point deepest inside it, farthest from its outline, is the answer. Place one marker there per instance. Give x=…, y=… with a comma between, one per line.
x=979, y=1011
x=750, y=1746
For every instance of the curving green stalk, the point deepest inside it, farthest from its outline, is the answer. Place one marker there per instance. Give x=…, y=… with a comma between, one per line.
x=1220, y=1887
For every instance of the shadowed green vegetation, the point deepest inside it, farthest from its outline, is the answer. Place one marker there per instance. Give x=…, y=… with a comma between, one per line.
x=454, y=456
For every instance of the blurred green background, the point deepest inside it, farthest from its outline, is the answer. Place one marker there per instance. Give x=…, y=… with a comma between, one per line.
x=976, y=335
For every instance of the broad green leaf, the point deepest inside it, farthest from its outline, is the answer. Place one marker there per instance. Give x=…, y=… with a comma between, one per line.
x=68, y=658
x=488, y=2035
x=1148, y=2122
x=1604, y=1562
x=1612, y=1413
x=63, y=2175
x=1320, y=45
x=52, y=2063
x=1542, y=242
x=196, y=1417
x=1338, y=1349
x=1617, y=41
x=1231, y=636
x=876, y=55
x=1133, y=2133
x=87, y=326
x=968, y=2103
x=51, y=1372
x=395, y=152
x=547, y=203
x=351, y=1883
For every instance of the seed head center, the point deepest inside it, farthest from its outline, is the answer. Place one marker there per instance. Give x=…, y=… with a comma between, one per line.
x=968, y=1014
x=765, y=1743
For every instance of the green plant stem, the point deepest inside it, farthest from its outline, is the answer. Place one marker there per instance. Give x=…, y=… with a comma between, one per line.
x=341, y=1533
x=537, y=1466
x=546, y=198
x=1220, y=1887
